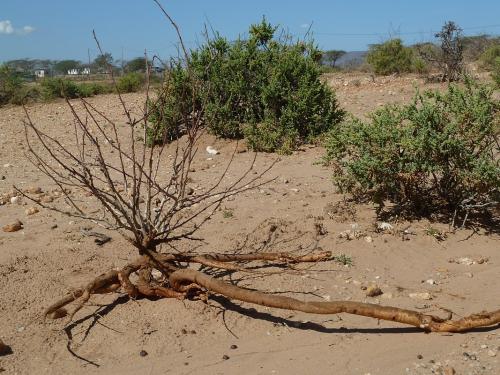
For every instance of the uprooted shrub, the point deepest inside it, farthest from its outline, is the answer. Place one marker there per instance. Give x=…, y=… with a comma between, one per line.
x=438, y=152
x=263, y=88
x=154, y=211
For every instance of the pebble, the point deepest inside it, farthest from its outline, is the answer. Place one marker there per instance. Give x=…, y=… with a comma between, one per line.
x=4, y=348
x=14, y=227
x=420, y=356
x=369, y=239
x=46, y=199
x=14, y=200
x=424, y=296
x=212, y=151
x=448, y=370
x=32, y=211
x=492, y=353
x=431, y=282
x=7, y=165
x=225, y=357
x=234, y=346
x=143, y=353
x=373, y=291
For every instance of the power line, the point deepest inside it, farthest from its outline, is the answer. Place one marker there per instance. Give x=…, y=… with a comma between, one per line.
x=403, y=33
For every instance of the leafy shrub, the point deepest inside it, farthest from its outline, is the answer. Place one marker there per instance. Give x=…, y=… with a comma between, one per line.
x=265, y=89
x=390, y=57
x=496, y=72
x=130, y=82
x=52, y=88
x=11, y=86
x=434, y=153
x=489, y=56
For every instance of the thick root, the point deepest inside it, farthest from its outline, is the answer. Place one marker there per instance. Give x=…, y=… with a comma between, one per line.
x=426, y=322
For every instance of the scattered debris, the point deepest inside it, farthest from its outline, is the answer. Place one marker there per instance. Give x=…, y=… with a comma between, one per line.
x=100, y=239
x=341, y=211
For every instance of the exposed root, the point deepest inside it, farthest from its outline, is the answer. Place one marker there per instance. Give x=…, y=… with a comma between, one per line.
x=426, y=322
x=181, y=282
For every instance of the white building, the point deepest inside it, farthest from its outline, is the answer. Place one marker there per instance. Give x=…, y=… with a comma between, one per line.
x=40, y=73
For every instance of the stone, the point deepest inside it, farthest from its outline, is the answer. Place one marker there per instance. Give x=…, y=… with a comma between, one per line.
x=424, y=296
x=32, y=211
x=4, y=349
x=212, y=151
x=14, y=227
x=373, y=291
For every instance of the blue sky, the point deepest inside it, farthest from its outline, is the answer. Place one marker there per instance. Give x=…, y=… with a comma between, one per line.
x=62, y=29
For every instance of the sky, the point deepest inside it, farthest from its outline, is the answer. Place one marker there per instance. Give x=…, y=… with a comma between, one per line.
x=62, y=29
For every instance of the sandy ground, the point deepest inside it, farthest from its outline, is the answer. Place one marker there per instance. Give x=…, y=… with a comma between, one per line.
x=50, y=255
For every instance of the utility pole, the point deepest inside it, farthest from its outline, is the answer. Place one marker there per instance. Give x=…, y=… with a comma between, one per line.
x=122, y=60
x=88, y=55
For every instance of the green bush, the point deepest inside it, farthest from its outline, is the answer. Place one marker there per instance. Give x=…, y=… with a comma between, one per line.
x=265, y=89
x=391, y=57
x=130, y=82
x=489, y=56
x=431, y=154
x=11, y=86
x=52, y=88
x=496, y=72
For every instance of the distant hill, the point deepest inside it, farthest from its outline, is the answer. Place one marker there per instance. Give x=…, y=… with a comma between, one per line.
x=352, y=59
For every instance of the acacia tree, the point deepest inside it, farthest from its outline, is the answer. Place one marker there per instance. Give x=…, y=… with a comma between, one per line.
x=331, y=57
x=148, y=201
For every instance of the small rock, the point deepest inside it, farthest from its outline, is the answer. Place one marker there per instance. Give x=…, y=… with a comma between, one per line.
x=225, y=357
x=212, y=151
x=34, y=190
x=184, y=331
x=492, y=353
x=32, y=211
x=484, y=346
x=189, y=190
x=369, y=239
x=465, y=261
x=46, y=199
x=7, y=165
x=424, y=296
x=53, y=226
x=14, y=200
x=431, y=282
x=143, y=353
x=373, y=291
x=469, y=274
x=14, y=227
x=383, y=226
x=420, y=356
x=448, y=370
x=5, y=349
x=233, y=346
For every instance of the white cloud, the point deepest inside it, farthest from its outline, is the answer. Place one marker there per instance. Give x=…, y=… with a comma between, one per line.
x=7, y=28
x=27, y=30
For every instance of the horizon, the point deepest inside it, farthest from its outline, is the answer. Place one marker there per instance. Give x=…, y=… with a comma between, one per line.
x=42, y=33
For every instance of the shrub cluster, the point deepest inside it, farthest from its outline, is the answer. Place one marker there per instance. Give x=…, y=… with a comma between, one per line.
x=393, y=57
x=130, y=82
x=264, y=89
x=64, y=88
x=435, y=153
